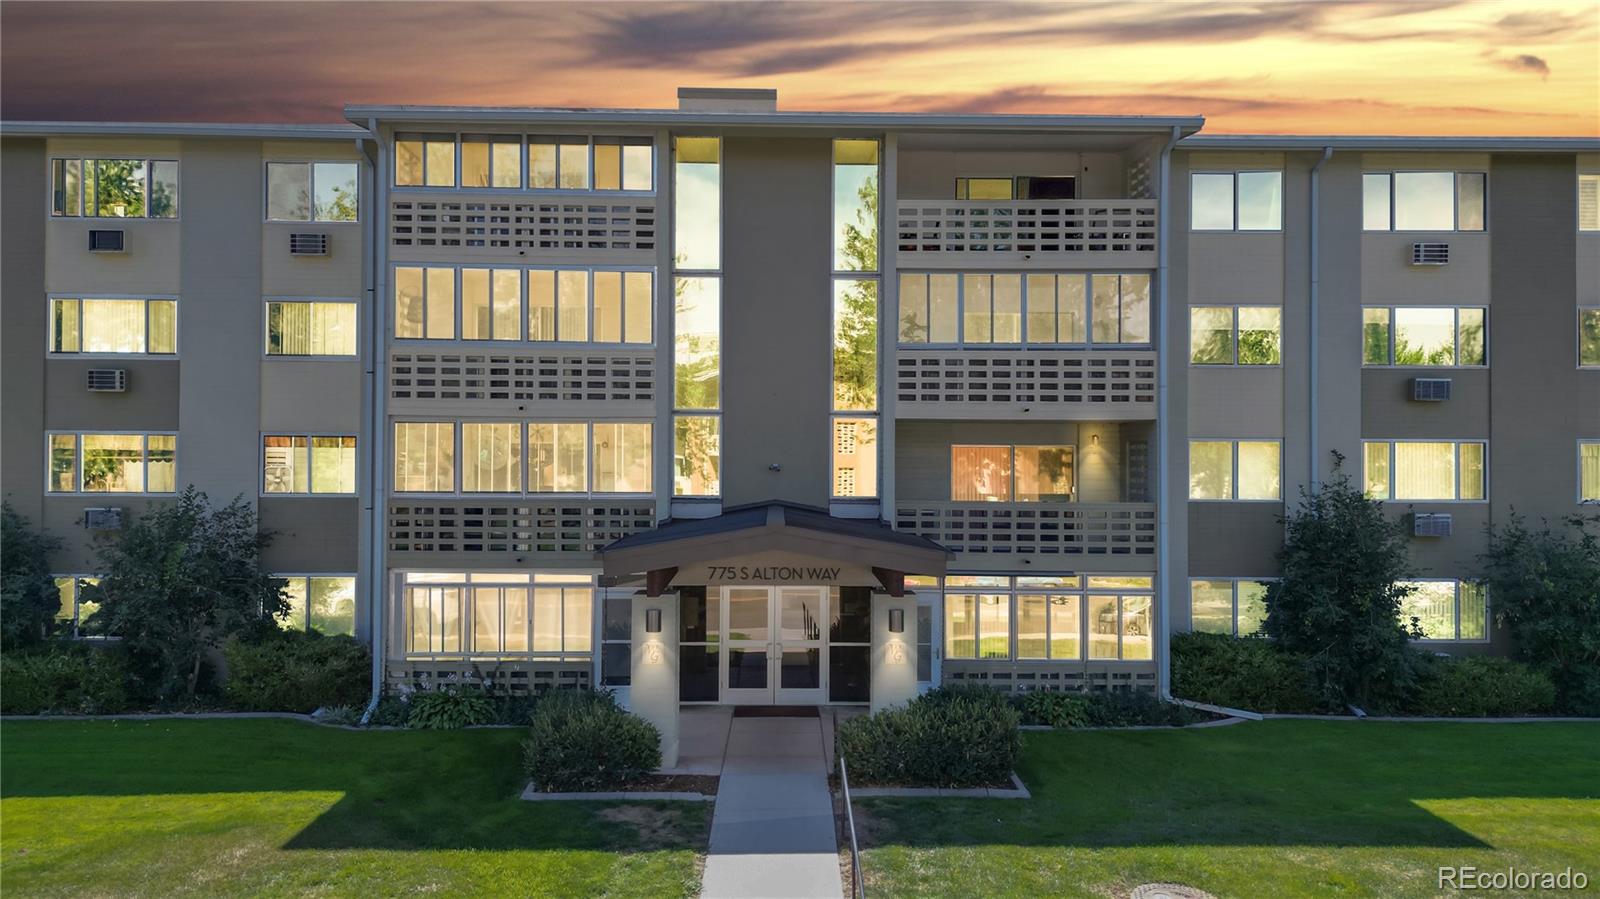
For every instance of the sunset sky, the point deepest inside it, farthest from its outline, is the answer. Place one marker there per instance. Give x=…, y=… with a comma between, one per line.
x=1366, y=66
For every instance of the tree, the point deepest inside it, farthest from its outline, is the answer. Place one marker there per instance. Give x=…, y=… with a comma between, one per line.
x=179, y=581
x=29, y=599
x=1339, y=599
x=1545, y=589
x=855, y=333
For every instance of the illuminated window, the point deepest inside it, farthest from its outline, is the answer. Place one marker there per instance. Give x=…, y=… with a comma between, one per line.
x=1424, y=336
x=113, y=463
x=425, y=160
x=1424, y=470
x=1446, y=610
x=322, y=603
x=491, y=160
x=311, y=328
x=425, y=302
x=1230, y=607
x=308, y=464
x=1234, y=470
x=510, y=615
x=1235, y=335
x=114, y=326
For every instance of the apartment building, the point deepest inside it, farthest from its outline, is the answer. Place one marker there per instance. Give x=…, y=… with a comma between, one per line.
x=726, y=403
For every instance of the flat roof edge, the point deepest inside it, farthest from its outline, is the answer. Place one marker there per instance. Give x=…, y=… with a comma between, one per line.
x=1388, y=142
x=264, y=131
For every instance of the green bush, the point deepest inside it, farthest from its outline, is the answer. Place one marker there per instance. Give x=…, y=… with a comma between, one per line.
x=75, y=679
x=512, y=708
x=393, y=710
x=1137, y=708
x=948, y=737
x=581, y=740
x=1248, y=673
x=1053, y=708
x=296, y=671
x=344, y=715
x=449, y=708
x=1482, y=687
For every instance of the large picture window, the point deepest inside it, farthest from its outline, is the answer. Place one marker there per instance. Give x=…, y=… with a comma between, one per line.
x=312, y=192
x=1005, y=473
x=1226, y=606
x=311, y=328
x=1446, y=610
x=566, y=305
x=321, y=602
x=1429, y=336
x=1235, y=335
x=1422, y=201
x=1236, y=201
x=561, y=457
x=1235, y=470
x=513, y=615
x=1425, y=470
x=114, y=326
x=113, y=463
x=114, y=188
x=988, y=309
x=308, y=464
x=1049, y=617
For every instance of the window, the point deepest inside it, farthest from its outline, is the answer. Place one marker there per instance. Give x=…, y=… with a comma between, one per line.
x=1230, y=607
x=986, y=309
x=76, y=607
x=113, y=463
x=1003, y=473
x=855, y=458
x=984, y=189
x=114, y=188
x=312, y=192
x=855, y=205
x=855, y=345
x=558, y=457
x=484, y=614
x=1428, y=336
x=425, y=160
x=991, y=308
x=697, y=204
x=491, y=304
x=1446, y=610
x=1057, y=617
x=616, y=638
x=1234, y=470
x=114, y=326
x=308, y=464
x=1589, y=202
x=1235, y=335
x=1057, y=309
x=577, y=305
x=322, y=603
x=697, y=356
x=1423, y=470
x=622, y=457
x=1422, y=201
x=1589, y=471
x=491, y=160
x=1589, y=336
x=696, y=455
x=562, y=457
x=491, y=457
x=425, y=302
x=1236, y=201
x=311, y=328
x=424, y=457
x=1120, y=306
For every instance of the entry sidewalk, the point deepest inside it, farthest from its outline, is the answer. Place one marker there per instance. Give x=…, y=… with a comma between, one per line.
x=772, y=833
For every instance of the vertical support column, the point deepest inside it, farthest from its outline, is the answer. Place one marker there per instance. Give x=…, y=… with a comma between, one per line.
x=889, y=318
x=894, y=652
x=665, y=332
x=654, y=692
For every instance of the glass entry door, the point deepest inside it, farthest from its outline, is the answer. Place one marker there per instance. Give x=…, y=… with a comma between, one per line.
x=774, y=651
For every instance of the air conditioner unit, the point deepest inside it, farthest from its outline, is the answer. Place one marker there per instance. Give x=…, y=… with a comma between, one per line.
x=108, y=380
x=1432, y=524
x=103, y=519
x=1430, y=390
x=308, y=244
x=1430, y=254
x=108, y=241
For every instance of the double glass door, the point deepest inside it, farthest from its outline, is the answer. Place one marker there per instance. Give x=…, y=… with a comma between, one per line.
x=775, y=646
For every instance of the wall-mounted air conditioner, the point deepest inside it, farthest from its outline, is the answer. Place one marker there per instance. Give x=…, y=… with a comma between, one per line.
x=108, y=380
x=1432, y=524
x=306, y=244
x=108, y=241
x=1430, y=254
x=1430, y=390
x=109, y=519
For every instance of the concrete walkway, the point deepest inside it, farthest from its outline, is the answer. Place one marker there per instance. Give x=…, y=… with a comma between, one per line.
x=772, y=833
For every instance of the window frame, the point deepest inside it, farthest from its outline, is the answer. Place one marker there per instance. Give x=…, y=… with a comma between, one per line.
x=533, y=579
x=458, y=436
x=1582, y=176
x=525, y=139
x=76, y=621
x=266, y=329
x=1233, y=311
x=77, y=473
x=1233, y=178
x=831, y=448
x=1577, y=348
x=83, y=200
x=1024, y=342
x=49, y=330
x=1394, y=328
x=309, y=493
x=1234, y=584
x=1583, y=500
x=1458, y=583
x=1080, y=592
x=1011, y=449
x=1233, y=453
x=1455, y=201
x=1455, y=442
x=523, y=304
x=266, y=191
x=355, y=582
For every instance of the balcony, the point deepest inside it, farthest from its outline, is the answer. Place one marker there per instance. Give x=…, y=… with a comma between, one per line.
x=514, y=227
x=1038, y=234
x=1042, y=384
x=449, y=379
x=1052, y=535
x=468, y=528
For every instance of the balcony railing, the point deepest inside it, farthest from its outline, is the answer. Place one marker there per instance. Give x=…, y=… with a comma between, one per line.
x=1115, y=385
x=1027, y=233
x=516, y=228
x=461, y=381
x=556, y=526
x=1060, y=530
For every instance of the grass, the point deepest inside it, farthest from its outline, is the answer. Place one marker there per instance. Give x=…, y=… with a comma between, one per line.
x=265, y=807
x=1277, y=808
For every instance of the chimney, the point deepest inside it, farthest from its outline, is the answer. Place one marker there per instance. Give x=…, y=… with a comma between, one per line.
x=727, y=99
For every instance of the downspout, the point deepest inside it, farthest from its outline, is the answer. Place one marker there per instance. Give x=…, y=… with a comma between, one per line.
x=1163, y=363
x=372, y=459
x=1316, y=278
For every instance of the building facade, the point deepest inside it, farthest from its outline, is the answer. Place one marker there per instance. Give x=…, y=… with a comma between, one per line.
x=796, y=407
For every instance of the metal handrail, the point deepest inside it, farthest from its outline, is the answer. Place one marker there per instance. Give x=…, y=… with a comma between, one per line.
x=859, y=880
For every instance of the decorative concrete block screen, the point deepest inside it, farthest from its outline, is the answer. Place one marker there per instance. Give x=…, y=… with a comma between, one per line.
x=510, y=676
x=534, y=526
x=507, y=228
x=1108, y=383
x=1044, y=529
x=575, y=376
x=1020, y=677
x=1053, y=232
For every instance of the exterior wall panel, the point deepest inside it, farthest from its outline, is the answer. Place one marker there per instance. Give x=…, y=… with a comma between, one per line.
x=22, y=339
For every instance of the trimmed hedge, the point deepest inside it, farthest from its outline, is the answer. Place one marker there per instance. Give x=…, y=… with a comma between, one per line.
x=296, y=671
x=581, y=740
x=1482, y=687
x=65, y=678
x=1248, y=673
x=947, y=737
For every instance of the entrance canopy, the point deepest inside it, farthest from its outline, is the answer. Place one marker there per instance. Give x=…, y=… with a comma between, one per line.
x=773, y=543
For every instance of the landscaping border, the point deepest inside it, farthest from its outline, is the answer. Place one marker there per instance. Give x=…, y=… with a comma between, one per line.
x=529, y=794
x=1019, y=791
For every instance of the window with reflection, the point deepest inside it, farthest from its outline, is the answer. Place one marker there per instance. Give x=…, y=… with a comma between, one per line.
x=1589, y=336
x=1446, y=610
x=697, y=336
x=1236, y=201
x=697, y=204
x=312, y=192
x=490, y=614
x=855, y=205
x=114, y=188
x=425, y=302
x=117, y=326
x=1235, y=335
x=1588, y=471
x=1424, y=336
x=1425, y=470
x=311, y=328
x=113, y=463
x=308, y=464
x=425, y=160
x=696, y=455
x=1235, y=470
x=491, y=160
x=855, y=458
x=1004, y=473
x=1423, y=201
x=1232, y=607
x=322, y=603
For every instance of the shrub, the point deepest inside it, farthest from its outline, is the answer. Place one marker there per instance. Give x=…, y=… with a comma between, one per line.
x=296, y=671
x=449, y=708
x=28, y=595
x=512, y=708
x=1137, y=708
x=1053, y=708
x=343, y=715
x=581, y=740
x=1482, y=687
x=394, y=710
x=1240, y=672
x=68, y=679
x=948, y=737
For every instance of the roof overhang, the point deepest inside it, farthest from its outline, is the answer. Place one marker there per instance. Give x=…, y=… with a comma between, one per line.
x=1391, y=143
x=337, y=131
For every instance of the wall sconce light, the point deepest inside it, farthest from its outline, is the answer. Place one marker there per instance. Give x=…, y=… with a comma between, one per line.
x=652, y=621
x=1094, y=439
x=897, y=621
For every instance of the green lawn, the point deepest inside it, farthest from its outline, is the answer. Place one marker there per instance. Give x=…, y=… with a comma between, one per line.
x=273, y=807
x=1277, y=808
